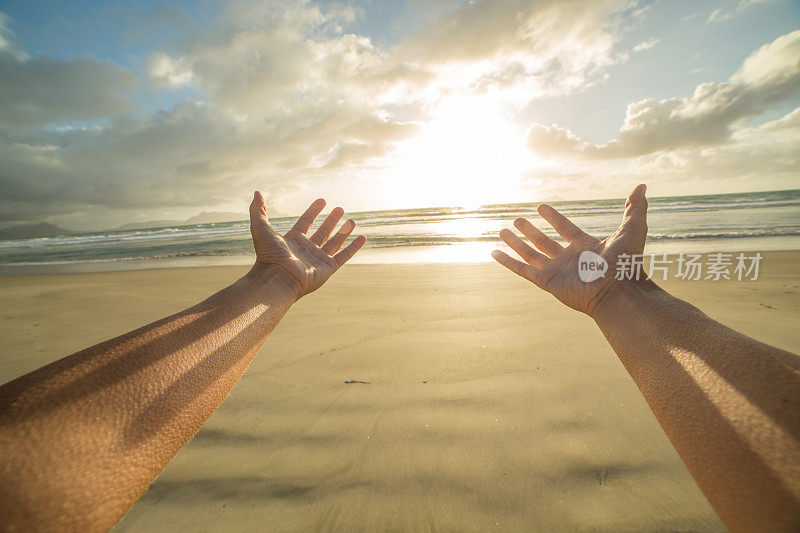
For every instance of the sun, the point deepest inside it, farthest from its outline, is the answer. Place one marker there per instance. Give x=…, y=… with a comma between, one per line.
x=468, y=154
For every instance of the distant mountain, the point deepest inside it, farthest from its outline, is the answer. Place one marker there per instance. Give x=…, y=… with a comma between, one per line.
x=274, y=213
x=214, y=217
x=202, y=218
x=32, y=231
x=150, y=224
x=206, y=217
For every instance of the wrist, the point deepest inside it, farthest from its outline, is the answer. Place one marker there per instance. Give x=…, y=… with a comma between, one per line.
x=277, y=279
x=620, y=295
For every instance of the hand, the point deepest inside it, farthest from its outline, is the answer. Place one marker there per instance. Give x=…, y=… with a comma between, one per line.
x=556, y=268
x=306, y=262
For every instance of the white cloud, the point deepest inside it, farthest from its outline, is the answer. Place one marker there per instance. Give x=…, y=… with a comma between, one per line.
x=290, y=97
x=776, y=63
x=192, y=155
x=766, y=153
x=756, y=157
x=720, y=15
x=523, y=48
x=167, y=71
x=768, y=76
x=646, y=45
x=721, y=137
x=8, y=39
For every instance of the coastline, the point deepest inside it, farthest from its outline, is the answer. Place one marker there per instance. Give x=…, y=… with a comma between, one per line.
x=460, y=253
x=486, y=403
x=737, y=222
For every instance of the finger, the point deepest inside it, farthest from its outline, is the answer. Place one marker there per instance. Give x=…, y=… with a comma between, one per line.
x=539, y=239
x=325, y=229
x=258, y=207
x=560, y=223
x=258, y=210
x=531, y=256
x=636, y=209
x=349, y=251
x=307, y=219
x=517, y=267
x=336, y=242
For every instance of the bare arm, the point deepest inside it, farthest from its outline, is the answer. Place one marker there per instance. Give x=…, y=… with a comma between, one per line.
x=730, y=405
x=82, y=439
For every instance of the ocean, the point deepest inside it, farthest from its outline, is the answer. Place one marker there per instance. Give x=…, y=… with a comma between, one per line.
x=725, y=222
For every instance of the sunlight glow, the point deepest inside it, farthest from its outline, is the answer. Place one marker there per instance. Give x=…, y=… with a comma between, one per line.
x=468, y=252
x=469, y=154
x=466, y=227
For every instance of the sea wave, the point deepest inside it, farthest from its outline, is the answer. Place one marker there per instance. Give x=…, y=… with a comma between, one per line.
x=395, y=241
x=118, y=259
x=680, y=219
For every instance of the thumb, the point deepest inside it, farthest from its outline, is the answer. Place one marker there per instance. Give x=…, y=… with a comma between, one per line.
x=258, y=209
x=636, y=210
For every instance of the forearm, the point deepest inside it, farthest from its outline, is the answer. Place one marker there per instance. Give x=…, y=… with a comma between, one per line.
x=81, y=439
x=730, y=405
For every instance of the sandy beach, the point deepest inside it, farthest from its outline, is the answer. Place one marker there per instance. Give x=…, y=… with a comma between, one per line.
x=418, y=397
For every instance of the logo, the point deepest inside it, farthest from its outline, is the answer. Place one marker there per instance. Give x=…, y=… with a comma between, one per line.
x=591, y=266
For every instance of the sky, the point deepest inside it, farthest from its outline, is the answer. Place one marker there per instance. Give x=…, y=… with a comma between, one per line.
x=119, y=112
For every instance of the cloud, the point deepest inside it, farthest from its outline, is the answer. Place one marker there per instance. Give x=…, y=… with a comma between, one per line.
x=537, y=48
x=766, y=153
x=286, y=102
x=646, y=45
x=287, y=97
x=719, y=15
x=8, y=39
x=168, y=72
x=264, y=59
x=42, y=90
x=710, y=116
x=757, y=157
x=191, y=155
x=346, y=153
x=775, y=64
x=284, y=95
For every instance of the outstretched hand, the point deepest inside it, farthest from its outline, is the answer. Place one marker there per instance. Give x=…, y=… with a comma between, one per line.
x=554, y=267
x=306, y=262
